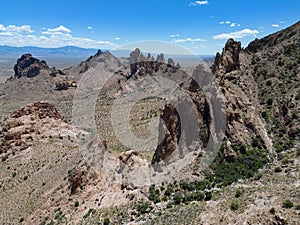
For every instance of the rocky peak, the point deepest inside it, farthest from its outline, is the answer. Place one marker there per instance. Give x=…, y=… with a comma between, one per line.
x=140, y=65
x=229, y=60
x=29, y=66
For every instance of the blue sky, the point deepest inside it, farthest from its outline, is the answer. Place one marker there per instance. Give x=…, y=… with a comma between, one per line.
x=200, y=26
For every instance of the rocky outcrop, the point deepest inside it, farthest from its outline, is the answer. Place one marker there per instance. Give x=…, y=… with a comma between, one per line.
x=182, y=126
x=171, y=128
x=229, y=60
x=65, y=84
x=29, y=66
x=229, y=155
x=141, y=65
x=32, y=122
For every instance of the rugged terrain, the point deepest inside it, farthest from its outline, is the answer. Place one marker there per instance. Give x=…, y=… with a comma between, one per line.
x=77, y=145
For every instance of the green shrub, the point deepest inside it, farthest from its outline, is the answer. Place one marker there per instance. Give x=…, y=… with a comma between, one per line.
x=178, y=197
x=277, y=169
x=4, y=158
x=269, y=83
x=287, y=204
x=106, y=221
x=234, y=206
x=21, y=220
x=278, y=147
x=142, y=207
x=154, y=194
x=169, y=190
x=238, y=193
x=272, y=210
x=208, y=196
x=245, y=166
x=169, y=205
x=270, y=101
x=76, y=204
x=297, y=207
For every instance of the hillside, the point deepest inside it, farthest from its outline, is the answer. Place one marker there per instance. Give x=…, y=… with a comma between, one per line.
x=139, y=140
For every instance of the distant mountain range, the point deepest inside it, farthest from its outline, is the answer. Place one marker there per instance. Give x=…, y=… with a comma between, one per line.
x=70, y=51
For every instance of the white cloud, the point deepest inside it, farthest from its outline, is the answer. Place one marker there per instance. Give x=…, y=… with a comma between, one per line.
x=282, y=22
x=56, y=37
x=61, y=28
x=174, y=35
x=196, y=3
x=238, y=34
x=117, y=38
x=90, y=28
x=12, y=30
x=275, y=25
x=232, y=24
x=188, y=40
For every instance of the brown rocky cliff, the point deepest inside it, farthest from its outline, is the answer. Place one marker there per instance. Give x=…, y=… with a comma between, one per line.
x=181, y=130
x=228, y=61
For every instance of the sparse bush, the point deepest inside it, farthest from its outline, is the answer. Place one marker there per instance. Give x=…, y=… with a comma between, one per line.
x=169, y=190
x=208, y=196
x=270, y=101
x=234, y=206
x=287, y=204
x=169, y=205
x=76, y=204
x=277, y=169
x=142, y=207
x=269, y=83
x=91, y=211
x=4, y=158
x=297, y=207
x=178, y=198
x=106, y=221
x=154, y=194
x=278, y=147
x=131, y=196
x=25, y=178
x=272, y=210
x=21, y=220
x=238, y=193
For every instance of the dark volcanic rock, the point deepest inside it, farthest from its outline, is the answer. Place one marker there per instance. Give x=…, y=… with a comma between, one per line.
x=29, y=66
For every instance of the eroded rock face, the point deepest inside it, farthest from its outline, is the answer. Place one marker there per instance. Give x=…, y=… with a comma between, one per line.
x=229, y=60
x=181, y=130
x=32, y=122
x=172, y=129
x=29, y=66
